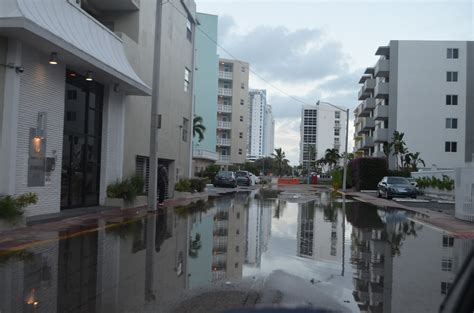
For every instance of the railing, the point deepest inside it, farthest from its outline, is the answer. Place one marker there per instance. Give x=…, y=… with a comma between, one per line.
x=225, y=92
x=224, y=158
x=223, y=108
x=218, y=275
x=205, y=154
x=225, y=75
x=223, y=142
x=224, y=125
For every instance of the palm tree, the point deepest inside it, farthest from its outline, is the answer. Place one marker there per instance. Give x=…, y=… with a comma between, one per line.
x=399, y=147
x=312, y=155
x=413, y=160
x=198, y=128
x=332, y=157
x=280, y=159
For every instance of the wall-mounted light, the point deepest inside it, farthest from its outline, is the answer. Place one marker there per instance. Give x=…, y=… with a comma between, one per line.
x=53, y=58
x=18, y=68
x=37, y=141
x=89, y=76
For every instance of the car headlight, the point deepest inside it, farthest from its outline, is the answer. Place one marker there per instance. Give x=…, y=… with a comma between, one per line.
x=392, y=189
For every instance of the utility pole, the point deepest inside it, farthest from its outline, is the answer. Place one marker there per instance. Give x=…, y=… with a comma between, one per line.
x=153, y=177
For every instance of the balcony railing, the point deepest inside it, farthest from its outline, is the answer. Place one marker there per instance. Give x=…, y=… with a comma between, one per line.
x=368, y=142
x=223, y=108
x=224, y=158
x=224, y=125
x=382, y=68
x=225, y=75
x=205, y=154
x=368, y=105
x=218, y=275
x=381, y=90
x=381, y=135
x=225, y=92
x=223, y=142
x=368, y=123
x=381, y=113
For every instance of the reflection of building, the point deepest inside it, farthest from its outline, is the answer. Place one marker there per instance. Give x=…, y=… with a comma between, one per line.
x=261, y=126
x=259, y=219
x=305, y=232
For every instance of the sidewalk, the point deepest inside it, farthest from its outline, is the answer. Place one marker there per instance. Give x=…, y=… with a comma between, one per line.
x=441, y=220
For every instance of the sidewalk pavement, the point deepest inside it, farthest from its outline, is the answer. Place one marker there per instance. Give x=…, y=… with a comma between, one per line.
x=441, y=220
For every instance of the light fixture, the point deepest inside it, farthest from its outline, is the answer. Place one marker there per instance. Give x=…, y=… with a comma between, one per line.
x=37, y=140
x=89, y=76
x=53, y=58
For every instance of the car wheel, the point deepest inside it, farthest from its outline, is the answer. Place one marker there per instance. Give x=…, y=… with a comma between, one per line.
x=378, y=194
x=388, y=196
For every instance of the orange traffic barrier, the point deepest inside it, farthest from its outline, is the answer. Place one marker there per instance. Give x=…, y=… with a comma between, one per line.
x=288, y=181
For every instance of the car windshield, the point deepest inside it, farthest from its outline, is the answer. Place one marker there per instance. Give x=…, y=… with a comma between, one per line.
x=241, y=174
x=225, y=174
x=398, y=181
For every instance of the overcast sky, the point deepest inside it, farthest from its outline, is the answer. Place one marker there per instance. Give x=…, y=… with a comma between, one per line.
x=316, y=49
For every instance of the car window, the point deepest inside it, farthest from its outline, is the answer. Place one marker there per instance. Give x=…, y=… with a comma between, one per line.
x=224, y=174
x=398, y=180
x=240, y=174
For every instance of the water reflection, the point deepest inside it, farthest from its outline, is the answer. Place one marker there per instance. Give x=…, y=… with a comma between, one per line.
x=375, y=260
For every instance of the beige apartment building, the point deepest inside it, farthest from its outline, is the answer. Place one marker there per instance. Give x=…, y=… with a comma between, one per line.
x=232, y=112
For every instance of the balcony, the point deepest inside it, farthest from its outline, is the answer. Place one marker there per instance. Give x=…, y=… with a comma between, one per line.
x=225, y=75
x=381, y=135
x=367, y=142
x=358, y=144
x=226, y=142
x=368, y=105
x=218, y=275
x=378, y=154
x=205, y=154
x=381, y=90
x=382, y=68
x=224, y=125
x=381, y=113
x=368, y=123
x=116, y=5
x=222, y=108
x=369, y=85
x=224, y=159
x=225, y=92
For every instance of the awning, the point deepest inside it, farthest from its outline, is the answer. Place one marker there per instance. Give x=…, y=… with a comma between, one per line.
x=81, y=41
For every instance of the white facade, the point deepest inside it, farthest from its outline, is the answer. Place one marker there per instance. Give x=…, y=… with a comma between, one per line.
x=261, y=126
x=411, y=90
x=322, y=127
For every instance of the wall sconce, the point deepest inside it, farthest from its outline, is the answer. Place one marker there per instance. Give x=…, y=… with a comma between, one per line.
x=37, y=140
x=89, y=76
x=18, y=68
x=37, y=143
x=53, y=58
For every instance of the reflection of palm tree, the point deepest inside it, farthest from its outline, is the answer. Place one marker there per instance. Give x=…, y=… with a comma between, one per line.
x=280, y=159
x=198, y=128
x=279, y=208
x=194, y=246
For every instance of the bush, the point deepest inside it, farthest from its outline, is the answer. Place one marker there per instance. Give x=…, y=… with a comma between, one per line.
x=210, y=172
x=127, y=189
x=198, y=184
x=12, y=207
x=446, y=183
x=183, y=185
x=338, y=177
x=367, y=172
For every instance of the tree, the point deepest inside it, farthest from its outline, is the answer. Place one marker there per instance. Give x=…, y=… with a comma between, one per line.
x=280, y=159
x=399, y=147
x=332, y=157
x=312, y=156
x=198, y=128
x=387, y=148
x=413, y=160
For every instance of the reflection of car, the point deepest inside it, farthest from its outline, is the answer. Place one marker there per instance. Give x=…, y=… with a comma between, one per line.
x=413, y=182
x=225, y=179
x=243, y=178
x=398, y=187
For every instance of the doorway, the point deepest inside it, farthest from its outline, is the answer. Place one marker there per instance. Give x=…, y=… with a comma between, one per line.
x=80, y=176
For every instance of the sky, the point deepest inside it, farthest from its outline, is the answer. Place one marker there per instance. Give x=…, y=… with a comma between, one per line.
x=317, y=50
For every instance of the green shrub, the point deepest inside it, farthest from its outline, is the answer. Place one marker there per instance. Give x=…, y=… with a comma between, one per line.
x=183, y=185
x=210, y=172
x=11, y=207
x=198, y=184
x=127, y=189
x=338, y=177
x=446, y=183
x=367, y=172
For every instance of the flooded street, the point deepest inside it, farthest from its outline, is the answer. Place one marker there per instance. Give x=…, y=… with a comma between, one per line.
x=243, y=250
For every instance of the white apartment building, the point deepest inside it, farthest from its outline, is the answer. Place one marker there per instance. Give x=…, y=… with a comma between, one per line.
x=232, y=112
x=420, y=88
x=322, y=127
x=261, y=130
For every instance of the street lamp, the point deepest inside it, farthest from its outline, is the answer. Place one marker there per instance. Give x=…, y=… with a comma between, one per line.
x=344, y=179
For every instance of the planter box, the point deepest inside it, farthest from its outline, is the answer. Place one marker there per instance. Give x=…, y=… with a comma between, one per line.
x=179, y=194
x=120, y=203
x=6, y=225
x=437, y=193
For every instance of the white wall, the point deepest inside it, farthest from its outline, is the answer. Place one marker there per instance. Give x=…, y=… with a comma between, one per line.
x=325, y=136
x=421, y=108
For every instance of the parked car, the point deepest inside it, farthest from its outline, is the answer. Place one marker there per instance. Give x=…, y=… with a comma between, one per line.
x=243, y=178
x=257, y=180
x=225, y=179
x=399, y=187
x=413, y=182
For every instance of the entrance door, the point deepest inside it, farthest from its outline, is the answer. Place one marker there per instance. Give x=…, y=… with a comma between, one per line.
x=81, y=142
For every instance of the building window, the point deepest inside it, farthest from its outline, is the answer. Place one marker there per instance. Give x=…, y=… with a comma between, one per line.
x=336, y=132
x=337, y=114
x=237, y=248
x=453, y=53
x=445, y=288
x=189, y=29
x=236, y=265
x=72, y=94
x=240, y=151
x=187, y=74
x=238, y=215
x=242, y=69
x=448, y=241
x=452, y=123
x=237, y=232
x=451, y=99
x=242, y=86
x=241, y=135
x=452, y=76
x=446, y=264
x=185, y=129
x=241, y=118
x=451, y=146
x=242, y=102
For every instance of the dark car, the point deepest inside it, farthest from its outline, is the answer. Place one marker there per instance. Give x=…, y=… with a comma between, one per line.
x=225, y=179
x=243, y=178
x=395, y=187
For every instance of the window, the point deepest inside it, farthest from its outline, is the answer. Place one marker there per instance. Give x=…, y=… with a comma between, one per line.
x=452, y=123
x=185, y=129
x=241, y=135
x=445, y=288
x=451, y=146
x=242, y=69
x=336, y=132
x=242, y=102
x=236, y=265
x=453, y=53
x=72, y=94
x=448, y=241
x=337, y=114
x=241, y=118
x=452, y=76
x=451, y=99
x=237, y=248
x=237, y=232
x=242, y=86
x=189, y=29
x=238, y=215
x=240, y=151
x=446, y=264
x=187, y=74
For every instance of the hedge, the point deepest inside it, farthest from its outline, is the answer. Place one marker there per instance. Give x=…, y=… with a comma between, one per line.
x=367, y=172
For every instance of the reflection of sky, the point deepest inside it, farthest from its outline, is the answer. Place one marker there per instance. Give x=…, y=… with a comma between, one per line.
x=287, y=225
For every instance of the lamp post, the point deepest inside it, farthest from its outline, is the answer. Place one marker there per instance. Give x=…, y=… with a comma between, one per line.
x=344, y=179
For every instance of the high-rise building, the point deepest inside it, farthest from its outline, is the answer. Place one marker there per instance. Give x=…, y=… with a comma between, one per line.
x=261, y=127
x=422, y=89
x=322, y=128
x=205, y=91
x=232, y=112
